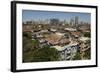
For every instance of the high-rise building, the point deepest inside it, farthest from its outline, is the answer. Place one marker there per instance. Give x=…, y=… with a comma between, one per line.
x=76, y=20
x=71, y=22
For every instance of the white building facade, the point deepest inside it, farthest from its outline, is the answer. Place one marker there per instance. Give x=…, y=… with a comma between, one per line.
x=67, y=52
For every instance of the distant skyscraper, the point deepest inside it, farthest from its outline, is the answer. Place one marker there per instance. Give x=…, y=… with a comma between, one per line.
x=71, y=21
x=76, y=20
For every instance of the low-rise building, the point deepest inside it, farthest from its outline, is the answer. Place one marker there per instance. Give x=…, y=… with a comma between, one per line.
x=67, y=52
x=84, y=46
x=70, y=29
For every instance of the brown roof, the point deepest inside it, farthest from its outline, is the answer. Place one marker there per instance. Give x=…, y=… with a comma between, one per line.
x=76, y=34
x=56, y=39
x=53, y=38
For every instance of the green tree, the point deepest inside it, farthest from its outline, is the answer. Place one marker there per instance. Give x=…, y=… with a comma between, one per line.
x=45, y=54
x=27, y=35
x=87, y=34
x=88, y=54
x=29, y=44
x=77, y=56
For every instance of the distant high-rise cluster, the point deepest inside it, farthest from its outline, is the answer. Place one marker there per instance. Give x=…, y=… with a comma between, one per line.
x=74, y=21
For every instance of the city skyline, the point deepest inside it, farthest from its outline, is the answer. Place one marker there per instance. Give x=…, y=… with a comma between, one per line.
x=30, y=15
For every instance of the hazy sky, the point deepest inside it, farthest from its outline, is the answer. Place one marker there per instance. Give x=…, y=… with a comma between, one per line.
x=28, y=15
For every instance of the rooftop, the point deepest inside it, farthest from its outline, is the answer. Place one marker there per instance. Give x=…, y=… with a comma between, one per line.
x=59, y=48
x=70, y=29
x=84, y=38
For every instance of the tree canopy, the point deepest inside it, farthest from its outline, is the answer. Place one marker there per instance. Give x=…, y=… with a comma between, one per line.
x=87, y=34
x=45, y=54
